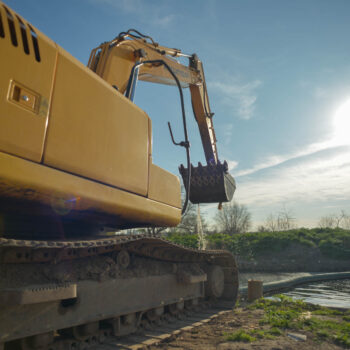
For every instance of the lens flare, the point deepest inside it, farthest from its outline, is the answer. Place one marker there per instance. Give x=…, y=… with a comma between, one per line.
x=342, y=124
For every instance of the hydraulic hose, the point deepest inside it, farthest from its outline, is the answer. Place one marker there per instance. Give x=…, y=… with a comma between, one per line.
x=186, y=143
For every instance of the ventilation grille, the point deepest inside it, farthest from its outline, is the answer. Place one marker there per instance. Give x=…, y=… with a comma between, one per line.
x=14, y=22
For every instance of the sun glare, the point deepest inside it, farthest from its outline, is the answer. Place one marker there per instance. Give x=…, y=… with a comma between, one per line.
x=342, y=124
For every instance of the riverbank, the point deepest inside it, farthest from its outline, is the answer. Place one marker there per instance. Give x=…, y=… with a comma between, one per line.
x=269, y=324
x=274, y=282
x=298, y=250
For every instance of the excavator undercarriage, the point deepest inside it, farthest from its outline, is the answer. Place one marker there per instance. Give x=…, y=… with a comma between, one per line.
x=58, y=293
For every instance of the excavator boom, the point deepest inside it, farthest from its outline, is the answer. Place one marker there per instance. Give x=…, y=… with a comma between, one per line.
x=131, y=56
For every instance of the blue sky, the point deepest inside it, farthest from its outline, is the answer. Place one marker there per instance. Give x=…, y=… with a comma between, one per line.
x=277, y=73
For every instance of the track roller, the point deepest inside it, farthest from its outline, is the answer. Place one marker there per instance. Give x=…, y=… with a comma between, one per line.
x=154, y=314
x=176, y=307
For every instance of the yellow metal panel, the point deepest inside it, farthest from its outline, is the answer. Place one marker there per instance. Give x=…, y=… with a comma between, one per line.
x=116, y=59
x=164, y=187
x=117, y=68
x=96, y=132
x=23, y=122
x=39, y=184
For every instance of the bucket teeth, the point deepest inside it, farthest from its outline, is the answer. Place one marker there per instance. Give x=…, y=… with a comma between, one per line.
x=209, y=184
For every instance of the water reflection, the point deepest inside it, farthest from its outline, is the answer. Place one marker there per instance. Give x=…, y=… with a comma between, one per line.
x=328, y=293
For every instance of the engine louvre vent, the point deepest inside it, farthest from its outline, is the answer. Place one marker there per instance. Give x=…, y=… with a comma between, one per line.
x=35, y=43
x=2, y=33
x=15, y=22
x=24, y=35
x=12, y=28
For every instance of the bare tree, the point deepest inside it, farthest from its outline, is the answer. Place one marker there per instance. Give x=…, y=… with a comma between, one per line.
x=335, y=221
x=233, y=218
x=155, y=230
x=271, y=223
x=338, y=218
x=188, y=222
x=283, y=221
x=346, y=222
x=262, y=228
x=327, y=221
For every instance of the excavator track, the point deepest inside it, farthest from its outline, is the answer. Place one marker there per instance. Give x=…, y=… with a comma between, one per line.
x=73, y=294
x=166, y=330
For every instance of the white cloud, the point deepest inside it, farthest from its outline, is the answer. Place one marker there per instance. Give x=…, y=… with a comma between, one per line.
x=322, y=178
x=275, y=160
x=316, y=91
x=227, y=133
x=165, y=20
x=319, y=92
x=232, y=164
x=307, y=185
x=239, y=96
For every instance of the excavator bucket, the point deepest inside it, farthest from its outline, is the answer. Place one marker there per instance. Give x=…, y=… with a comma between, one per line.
x=209, y=184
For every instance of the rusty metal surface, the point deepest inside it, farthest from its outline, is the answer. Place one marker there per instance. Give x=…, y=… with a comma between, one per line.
x=37, y=294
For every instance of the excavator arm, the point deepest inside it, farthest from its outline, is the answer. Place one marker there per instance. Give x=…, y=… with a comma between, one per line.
x=132, y=56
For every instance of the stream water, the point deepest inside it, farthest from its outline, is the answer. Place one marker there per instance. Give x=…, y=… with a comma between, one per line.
x=329, y=293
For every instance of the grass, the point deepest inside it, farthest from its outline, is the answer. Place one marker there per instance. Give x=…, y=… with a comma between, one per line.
x=282, y=313
x=239, y=336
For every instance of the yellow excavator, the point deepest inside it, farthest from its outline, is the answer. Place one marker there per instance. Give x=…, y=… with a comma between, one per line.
x=75, y=159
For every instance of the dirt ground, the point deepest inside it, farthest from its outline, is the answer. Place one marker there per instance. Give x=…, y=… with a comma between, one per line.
x=212, y=335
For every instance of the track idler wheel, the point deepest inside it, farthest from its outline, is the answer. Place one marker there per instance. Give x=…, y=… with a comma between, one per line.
x=154, y=314
x=124, y=325
x=209, y=184
x=175, y=308
x=192, y=304
x=81, y=332
x=123, y=259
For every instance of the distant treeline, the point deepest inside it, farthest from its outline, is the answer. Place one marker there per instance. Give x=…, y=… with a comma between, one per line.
x=332, y=243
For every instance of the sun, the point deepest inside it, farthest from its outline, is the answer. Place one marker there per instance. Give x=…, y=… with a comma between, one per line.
x=341, y=122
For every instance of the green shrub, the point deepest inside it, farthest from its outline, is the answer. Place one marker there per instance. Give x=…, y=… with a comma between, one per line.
x=239, y=336
x=187, y=240
x=333, y=243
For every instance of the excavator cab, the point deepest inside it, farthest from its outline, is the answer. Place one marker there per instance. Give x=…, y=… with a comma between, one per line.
x=208, y=184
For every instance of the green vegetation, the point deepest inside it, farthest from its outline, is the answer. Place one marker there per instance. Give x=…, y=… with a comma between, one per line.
x=253, y=335
x=187, y=240
x=239, y=336
x=282, y=313
x=333, y=243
